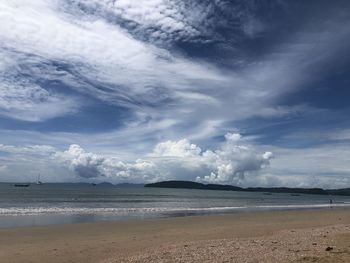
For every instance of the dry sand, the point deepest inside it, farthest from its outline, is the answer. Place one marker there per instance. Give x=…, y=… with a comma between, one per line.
x=294, y=236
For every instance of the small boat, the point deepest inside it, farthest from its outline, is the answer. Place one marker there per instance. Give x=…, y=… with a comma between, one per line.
x=295, y=194
x=38, y=180
x=267, y=193
x=21, y=185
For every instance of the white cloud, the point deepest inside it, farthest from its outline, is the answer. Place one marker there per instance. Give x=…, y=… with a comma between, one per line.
x=35, y=34
x=169, y=160
x=116, y=51
x=107, y=60
x=87, y=165
x=233, y=137
x=235, y=161
x=23, y=100
x=182, y=148
x=229, y=164
x=324, y=166
x=84, y=164
x=158, y=20
x=31, y=149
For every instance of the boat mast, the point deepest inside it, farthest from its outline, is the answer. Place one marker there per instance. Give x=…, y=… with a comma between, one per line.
x=38, y=181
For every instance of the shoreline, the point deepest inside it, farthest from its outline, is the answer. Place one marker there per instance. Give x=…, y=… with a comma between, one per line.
x=137, y=240
x=9, y=221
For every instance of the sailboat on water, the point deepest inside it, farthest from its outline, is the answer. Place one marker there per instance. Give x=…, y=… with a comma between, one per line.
x=38, y=182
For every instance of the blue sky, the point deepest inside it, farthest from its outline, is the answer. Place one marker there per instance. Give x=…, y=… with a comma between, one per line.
x=252, y=93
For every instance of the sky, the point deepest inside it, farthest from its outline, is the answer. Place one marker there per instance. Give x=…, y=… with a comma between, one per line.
x=248, y=93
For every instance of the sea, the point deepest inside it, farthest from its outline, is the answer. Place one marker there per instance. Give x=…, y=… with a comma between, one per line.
x=76, y=203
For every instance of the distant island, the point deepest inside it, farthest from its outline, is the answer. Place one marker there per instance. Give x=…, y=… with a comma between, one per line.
x=195, y=185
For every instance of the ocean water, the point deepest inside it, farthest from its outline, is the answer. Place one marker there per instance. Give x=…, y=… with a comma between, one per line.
x=74, y=203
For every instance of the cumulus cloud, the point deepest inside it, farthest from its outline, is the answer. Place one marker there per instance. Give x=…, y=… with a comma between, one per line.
x=235, y=161
x=231, y=163
x=182, y=148
x=86, y=165
x=89, y=165
x=124, y=54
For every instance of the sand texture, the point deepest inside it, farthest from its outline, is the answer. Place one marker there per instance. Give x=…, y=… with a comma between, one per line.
x=294, y=236
x=306, y=245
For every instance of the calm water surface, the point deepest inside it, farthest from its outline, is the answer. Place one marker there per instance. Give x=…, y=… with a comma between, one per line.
x=74, y=203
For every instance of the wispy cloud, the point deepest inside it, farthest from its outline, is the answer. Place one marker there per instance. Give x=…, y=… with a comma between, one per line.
x=158, y=21
x=105, y=60
x=58, y=56
x=23, y=100
x=94, y=57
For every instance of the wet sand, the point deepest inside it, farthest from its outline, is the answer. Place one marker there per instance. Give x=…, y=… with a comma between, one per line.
x=290, y=236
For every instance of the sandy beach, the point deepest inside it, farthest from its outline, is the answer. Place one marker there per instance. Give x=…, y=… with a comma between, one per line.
x=289, y=236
